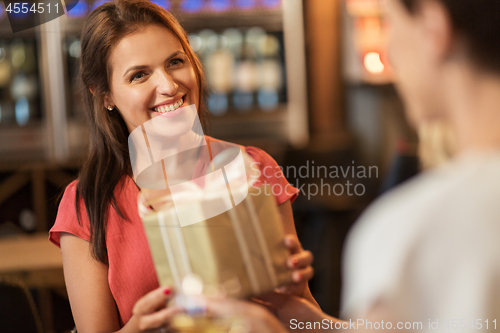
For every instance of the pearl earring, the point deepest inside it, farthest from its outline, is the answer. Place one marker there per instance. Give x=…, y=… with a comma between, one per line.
x=110, y=108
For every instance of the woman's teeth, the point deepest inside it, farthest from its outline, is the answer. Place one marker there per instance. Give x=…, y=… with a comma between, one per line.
x=169, y=108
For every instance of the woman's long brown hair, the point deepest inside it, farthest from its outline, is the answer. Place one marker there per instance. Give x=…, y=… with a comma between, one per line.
x=108, y=164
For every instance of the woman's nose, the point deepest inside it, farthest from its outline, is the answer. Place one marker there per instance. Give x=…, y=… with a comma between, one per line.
x=165, y=84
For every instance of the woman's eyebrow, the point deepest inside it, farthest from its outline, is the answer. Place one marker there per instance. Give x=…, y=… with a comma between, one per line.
x=133, y=68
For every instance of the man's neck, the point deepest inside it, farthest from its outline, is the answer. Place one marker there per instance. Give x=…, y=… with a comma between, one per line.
x=474, y=99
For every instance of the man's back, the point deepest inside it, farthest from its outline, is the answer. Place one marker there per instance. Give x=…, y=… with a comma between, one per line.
x=430, y=249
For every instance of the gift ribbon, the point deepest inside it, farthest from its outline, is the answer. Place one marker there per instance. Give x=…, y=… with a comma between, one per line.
x=168, y=250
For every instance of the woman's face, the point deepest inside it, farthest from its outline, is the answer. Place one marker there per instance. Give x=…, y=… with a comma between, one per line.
x=152, y=76
x=414, y=55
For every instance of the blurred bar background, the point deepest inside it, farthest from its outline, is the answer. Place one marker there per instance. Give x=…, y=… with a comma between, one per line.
x=308, y=81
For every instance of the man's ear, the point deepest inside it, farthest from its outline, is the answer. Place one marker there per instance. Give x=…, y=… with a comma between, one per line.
x=92, y=90
x=438, y=28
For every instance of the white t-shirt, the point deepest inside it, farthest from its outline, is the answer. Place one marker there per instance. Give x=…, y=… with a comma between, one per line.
x=430, y=249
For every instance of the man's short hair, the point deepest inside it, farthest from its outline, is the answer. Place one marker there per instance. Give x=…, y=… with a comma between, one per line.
x=478, y=23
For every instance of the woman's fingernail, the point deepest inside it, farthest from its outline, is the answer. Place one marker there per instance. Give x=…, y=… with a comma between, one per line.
x=295, y=262
x=297, y=277
x=167, y=291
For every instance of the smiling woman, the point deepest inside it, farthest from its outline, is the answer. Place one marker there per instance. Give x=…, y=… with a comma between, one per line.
x=112, y=43
x=136, y=64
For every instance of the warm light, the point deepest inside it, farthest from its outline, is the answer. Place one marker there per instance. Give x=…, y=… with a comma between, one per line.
x=372, y=25
x=373, y=63
x=192, y=285
x=362, y=7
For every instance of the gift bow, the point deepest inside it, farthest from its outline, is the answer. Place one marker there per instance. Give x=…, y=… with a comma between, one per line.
x=224, y=186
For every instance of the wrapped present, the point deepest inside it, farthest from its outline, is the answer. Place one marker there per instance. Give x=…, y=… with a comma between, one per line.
x=203, y=214
x=238, y=252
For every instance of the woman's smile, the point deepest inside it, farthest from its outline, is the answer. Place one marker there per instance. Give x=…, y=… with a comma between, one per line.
x=169, y=106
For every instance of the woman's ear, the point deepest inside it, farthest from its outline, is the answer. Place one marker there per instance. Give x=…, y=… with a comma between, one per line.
x=108, y=101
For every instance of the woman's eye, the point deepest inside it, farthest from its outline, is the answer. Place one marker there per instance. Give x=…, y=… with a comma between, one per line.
x=176, y=61
x=137, y=76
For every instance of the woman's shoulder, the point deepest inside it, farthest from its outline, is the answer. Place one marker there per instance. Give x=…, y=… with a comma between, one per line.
x=66, y=219
x=269, y=172
x=69, y=195
x=71, y=219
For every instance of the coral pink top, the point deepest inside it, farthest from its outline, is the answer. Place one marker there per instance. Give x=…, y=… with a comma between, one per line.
x=131, y=272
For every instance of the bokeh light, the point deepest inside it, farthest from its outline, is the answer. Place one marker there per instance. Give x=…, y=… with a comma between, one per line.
x=79, y=10
x=271, y=3
x=98, y=3
x=192, y=6
x=165, y=4
x=220, y=5
x=22, y=111
x=245, y=4
x=373, y=63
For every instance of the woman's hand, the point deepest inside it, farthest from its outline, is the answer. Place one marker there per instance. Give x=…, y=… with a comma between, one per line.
x=299, y=263
x=150, y=313
x=92, y=304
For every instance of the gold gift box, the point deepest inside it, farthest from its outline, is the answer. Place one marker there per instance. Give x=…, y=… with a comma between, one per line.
x=239, y=253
